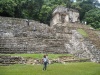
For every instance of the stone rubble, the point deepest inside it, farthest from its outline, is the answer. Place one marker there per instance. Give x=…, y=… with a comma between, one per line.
x=10, y=60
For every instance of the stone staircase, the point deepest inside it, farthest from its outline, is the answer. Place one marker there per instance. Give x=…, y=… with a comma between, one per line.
x=92, y=35
x=18, y=37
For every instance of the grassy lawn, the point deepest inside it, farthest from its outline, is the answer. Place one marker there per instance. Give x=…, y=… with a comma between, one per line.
x=86, y=68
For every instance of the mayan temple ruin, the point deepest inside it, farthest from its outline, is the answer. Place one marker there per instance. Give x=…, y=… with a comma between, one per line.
x=62, y=36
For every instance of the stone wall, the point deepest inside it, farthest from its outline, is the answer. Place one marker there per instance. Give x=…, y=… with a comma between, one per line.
x=16, y=36
x=64, y=15
x=6, y=60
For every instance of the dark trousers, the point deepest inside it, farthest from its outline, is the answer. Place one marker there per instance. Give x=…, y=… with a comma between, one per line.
x=45, y=66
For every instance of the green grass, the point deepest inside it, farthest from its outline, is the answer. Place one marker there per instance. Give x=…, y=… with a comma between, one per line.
x=38, y=56
x=87, y=68
x=82, y=32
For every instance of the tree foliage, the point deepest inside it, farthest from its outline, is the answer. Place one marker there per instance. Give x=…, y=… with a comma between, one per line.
x=7, y=7
x=93, y=18
x=41, y=10
x=31, y=9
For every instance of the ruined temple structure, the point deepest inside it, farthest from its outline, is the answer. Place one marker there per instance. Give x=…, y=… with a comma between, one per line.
x=64, y=15
x=63, y=36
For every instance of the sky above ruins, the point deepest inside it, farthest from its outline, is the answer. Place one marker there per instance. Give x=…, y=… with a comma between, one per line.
x=75, y=1
x=99, y=1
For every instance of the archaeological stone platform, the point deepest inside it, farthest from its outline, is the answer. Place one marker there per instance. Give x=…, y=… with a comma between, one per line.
x=22, y=36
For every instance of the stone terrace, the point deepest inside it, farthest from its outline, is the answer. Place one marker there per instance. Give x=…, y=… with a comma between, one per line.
x=21, y=36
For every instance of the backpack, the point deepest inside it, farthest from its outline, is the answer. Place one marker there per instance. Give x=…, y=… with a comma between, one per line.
x=45, y=60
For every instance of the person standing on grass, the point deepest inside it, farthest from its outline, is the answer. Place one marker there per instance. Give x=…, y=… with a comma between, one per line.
x=45, y=62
